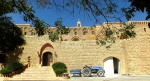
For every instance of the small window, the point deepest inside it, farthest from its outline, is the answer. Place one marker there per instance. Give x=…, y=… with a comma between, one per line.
x=75, y=33
x=145, y=29
x=25, y=33
x=149, y=25
x=93, y=32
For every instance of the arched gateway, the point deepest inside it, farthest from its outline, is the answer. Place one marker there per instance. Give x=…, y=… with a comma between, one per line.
x=111, y=65
x=46, y=55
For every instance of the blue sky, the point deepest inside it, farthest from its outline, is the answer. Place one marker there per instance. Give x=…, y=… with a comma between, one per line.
x=50, y=16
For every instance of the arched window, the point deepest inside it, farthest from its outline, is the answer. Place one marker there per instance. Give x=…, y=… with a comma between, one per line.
x=79, y=25
x=75, y=38
x=84, y=32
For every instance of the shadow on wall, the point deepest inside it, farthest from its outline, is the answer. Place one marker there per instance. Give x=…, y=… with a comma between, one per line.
x=13, y=56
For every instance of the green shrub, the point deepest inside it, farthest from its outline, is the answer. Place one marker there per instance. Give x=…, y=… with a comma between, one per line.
x=15, y=66
x=59, y=67
x=59, y=71
x=5, y=71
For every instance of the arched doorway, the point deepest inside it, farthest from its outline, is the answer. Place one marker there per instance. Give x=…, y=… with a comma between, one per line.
x=47, y=59
x=46, y=50
x=111, y=65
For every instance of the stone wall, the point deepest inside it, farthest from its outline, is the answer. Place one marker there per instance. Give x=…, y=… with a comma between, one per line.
x=133, y=53
x=138, y=56
x=76, y=54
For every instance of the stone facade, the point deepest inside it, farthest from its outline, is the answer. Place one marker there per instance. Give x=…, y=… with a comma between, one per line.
x=79, y=48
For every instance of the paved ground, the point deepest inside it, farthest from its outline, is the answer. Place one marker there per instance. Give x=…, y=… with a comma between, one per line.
x=118, y=78
x=107, y=78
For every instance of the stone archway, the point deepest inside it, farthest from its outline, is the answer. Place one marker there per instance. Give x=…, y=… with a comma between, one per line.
x=46, y=51
x=47, y=59
x=111, y=65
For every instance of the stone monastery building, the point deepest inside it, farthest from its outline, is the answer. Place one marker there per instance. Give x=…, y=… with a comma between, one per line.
x=80, y=47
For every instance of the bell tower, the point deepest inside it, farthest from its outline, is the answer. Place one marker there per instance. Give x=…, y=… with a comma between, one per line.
x=79, y=24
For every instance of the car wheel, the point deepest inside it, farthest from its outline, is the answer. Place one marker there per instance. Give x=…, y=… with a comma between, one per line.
x=100, y=73
x=86, y=72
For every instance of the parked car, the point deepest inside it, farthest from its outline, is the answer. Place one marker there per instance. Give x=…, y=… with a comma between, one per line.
x=88, y=70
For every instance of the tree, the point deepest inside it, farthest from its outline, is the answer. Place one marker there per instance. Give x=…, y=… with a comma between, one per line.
x=40, y=27
x=104, y=8
x=60, y=30
x=111, y=34
x=137, y=6
x=10, y=35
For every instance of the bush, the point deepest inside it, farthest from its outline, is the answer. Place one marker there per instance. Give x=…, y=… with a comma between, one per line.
x=15, y=66
x=5, y=71
x=59, y=67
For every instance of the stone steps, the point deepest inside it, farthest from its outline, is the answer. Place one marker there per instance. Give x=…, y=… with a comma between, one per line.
x=36, y=73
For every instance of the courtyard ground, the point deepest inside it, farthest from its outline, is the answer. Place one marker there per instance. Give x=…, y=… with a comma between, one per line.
x=107, y=78
x=115, y=78
x=111, y=78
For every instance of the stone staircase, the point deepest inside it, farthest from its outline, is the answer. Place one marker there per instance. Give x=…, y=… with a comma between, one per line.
x=35, y=73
